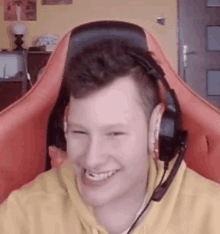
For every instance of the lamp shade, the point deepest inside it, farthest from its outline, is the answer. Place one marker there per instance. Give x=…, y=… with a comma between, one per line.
x=19, y=28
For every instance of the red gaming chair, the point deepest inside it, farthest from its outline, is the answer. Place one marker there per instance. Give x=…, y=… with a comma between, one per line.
x=23, y=125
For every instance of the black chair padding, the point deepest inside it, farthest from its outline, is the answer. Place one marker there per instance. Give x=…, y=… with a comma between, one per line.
x=99, y=30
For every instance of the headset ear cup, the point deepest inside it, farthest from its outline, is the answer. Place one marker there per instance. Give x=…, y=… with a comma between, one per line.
x=154, y=130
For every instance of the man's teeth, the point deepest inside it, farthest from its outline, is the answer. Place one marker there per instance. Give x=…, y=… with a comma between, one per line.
x=99, y=176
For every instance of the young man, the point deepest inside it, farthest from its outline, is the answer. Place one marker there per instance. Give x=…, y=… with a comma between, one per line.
x=107, y=131
x=110, y=173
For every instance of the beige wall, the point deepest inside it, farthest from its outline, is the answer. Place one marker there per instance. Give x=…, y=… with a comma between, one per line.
x=60, y=18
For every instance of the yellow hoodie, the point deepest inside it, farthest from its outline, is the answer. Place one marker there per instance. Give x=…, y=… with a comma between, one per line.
x=51, y=204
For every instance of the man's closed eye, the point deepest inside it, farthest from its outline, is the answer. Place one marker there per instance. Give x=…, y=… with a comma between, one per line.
x=116, y=133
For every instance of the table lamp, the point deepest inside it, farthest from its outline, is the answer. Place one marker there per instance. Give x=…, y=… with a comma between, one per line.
x=18, y=28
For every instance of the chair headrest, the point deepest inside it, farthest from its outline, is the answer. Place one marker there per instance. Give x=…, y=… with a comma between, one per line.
x=100, y=30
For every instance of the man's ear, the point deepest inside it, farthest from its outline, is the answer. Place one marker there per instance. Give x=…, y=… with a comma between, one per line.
x=154, y=130
x=57, y=156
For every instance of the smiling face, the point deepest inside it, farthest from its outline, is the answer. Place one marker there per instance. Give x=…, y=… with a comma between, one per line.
x=107, y=140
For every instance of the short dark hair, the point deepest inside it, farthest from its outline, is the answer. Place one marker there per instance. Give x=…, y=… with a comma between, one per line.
x=94, y=68
x=100, y=64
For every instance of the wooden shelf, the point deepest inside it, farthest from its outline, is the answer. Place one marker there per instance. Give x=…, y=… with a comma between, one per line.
x=39, y=52
x=11, y=79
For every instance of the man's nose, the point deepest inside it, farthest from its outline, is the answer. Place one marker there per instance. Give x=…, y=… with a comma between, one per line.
x=95, y=155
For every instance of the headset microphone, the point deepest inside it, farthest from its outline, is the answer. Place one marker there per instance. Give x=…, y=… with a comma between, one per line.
x=162, y=189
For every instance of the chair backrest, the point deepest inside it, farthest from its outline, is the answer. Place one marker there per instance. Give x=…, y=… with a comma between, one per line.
x=200, y=118
x=24, y=124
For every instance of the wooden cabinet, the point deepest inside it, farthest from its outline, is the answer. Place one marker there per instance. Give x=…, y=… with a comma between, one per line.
x=13, y=81
x=10, y=91
x=36, y=61
x=14, y=69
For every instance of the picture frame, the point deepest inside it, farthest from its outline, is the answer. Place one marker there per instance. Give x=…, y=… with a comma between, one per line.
x=56, y=2
x=26, y=9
